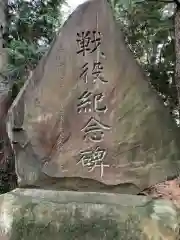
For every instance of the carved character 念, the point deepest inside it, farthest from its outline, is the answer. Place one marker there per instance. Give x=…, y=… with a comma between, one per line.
x=94, y=130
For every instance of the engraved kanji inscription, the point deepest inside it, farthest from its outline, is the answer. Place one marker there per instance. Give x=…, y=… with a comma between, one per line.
x=83, y=40
x=88, y=41
x=84, y=102
x=97, y=72
x=88, y=102
x=94, y=130
x=93, y=158
x=84, y=73
x=96, y=40
x=98, y=98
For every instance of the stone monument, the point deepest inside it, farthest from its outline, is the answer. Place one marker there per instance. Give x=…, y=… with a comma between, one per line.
x=87, y=119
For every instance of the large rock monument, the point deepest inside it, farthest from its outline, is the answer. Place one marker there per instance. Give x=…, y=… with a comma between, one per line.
x=88, y=114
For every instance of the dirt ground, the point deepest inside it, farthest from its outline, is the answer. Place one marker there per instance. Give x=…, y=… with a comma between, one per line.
x=169, y=190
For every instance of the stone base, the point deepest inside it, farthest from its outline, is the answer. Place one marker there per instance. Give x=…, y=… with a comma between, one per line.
x=44, y=215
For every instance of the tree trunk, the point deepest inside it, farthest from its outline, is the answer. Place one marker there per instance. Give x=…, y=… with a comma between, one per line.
x=7, y=169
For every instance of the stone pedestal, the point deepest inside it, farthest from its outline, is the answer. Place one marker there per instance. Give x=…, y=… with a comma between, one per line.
x=45, y=215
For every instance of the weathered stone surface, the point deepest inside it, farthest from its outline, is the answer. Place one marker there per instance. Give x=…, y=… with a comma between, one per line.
x=44, y=215
x=127, y=139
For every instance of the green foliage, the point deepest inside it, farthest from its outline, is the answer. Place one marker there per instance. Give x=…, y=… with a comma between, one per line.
x=32, y=26
x=149, y=31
